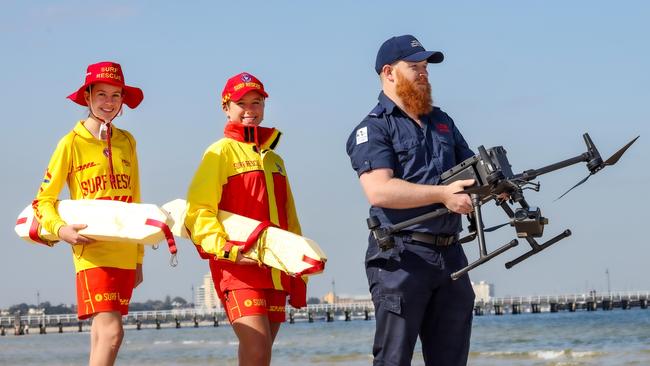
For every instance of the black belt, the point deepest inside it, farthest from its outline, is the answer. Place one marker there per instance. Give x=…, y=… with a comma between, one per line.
x=440, y=240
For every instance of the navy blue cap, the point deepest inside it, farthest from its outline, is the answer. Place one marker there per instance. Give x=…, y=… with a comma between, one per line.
x=406, y=48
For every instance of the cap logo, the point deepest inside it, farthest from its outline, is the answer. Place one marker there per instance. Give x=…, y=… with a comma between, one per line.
x=245, y=78
x=416, y=43
x=249, y=84
x=108, y=75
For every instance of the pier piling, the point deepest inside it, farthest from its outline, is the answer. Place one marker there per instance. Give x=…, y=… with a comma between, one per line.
x=498, y=310
x=571, y=306
x=607, y=305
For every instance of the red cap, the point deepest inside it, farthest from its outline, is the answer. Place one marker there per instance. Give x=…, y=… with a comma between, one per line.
x=239, y=85
x=109, y=73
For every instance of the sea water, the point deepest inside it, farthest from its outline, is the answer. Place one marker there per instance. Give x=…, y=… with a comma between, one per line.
x=604, y=338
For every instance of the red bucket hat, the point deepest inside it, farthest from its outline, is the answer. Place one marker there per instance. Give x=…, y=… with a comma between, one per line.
x=239, y=85
x=109, y=73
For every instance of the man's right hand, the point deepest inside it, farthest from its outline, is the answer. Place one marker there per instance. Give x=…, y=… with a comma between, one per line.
x=458, y=203
x=70, y=234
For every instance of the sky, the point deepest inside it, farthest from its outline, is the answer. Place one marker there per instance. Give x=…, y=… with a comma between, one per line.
x=530, y=76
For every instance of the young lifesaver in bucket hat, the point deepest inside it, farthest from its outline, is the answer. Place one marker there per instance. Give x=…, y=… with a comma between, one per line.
x=97, y=161
x=241, y=173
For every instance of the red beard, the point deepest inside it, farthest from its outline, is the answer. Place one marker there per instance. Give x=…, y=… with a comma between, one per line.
x=415, y=97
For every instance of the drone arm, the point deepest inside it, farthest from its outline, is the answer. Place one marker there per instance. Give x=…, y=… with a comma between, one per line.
x=534, y=173
x=419, y=219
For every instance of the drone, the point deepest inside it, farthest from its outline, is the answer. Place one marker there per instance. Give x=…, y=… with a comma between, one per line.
x=494, y=180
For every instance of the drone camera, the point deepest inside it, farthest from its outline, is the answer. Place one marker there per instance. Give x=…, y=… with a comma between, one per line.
x=529, y=222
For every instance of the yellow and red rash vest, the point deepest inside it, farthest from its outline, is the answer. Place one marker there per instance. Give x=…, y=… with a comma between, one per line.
x=81, y=161
x=241, y=173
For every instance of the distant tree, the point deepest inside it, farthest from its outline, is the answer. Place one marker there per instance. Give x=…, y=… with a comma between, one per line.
x=179, y=302
x=313, y=300
x=57, y=309
x=23, y=308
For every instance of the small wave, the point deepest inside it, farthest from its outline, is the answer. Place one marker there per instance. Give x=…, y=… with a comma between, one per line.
x=162, y=342
x=555, y=355
x=192, y=342
x=548, y=355
x=585, y=354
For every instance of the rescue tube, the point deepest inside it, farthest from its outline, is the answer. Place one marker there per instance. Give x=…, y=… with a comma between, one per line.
x=260, y=241
x=107, y=220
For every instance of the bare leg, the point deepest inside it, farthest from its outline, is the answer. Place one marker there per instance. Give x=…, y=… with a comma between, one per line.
x=275, y=328
x=106, y=338
x=256, y=335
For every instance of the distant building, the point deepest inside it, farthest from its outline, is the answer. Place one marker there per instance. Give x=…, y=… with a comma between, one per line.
x=331, y=298
x=206, y=296
x=484, y=291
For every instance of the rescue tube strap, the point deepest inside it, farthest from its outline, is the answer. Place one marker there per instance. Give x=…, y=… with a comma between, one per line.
x=252, y=238
x=316, y=266
x=34, y=230
x=171, y=243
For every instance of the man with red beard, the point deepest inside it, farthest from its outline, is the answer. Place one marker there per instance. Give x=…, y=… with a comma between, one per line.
x=399, y=151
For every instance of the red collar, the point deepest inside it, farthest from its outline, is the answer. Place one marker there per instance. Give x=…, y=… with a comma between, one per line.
x=261, y=136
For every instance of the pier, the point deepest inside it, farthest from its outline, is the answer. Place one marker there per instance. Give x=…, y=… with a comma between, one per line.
x=179, y=318
x=363, y=310
x=555, y=303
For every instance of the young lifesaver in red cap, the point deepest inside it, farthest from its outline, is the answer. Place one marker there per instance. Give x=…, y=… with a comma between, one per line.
x=241, y=173
x=97, y=161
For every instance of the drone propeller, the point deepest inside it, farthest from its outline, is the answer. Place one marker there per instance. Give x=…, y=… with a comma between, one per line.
x=610, y=161
x=617, y=155
x=579, y=183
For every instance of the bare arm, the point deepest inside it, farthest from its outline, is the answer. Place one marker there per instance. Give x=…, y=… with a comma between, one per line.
x=384, y=190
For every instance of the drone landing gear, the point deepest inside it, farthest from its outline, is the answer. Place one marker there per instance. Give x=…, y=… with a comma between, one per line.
x=536, y=248
x=484, y=256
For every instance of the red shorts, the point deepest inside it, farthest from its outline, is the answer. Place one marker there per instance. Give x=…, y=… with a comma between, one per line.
x=104, y=289
x=245, y=302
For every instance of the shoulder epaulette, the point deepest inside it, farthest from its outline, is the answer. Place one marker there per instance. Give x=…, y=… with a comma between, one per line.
x=378, y=111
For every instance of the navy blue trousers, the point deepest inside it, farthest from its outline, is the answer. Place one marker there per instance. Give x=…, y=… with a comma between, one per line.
x=414, y=296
